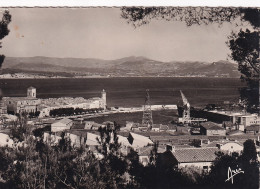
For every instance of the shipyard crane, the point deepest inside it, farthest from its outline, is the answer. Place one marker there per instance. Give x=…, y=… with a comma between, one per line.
x=186, y=113
x=186, y=109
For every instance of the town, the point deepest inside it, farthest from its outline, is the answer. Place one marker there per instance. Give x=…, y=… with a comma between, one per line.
x=193, y=139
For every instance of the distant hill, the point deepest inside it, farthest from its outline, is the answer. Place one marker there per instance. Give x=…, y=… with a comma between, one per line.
x=129, y=66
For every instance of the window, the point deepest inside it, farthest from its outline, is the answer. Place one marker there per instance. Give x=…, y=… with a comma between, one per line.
x=205, y=168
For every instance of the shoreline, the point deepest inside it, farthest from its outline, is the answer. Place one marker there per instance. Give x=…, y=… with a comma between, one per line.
x=105, y=77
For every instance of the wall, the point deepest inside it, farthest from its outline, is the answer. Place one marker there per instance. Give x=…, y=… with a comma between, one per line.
x=216, y=132
x=195, y=164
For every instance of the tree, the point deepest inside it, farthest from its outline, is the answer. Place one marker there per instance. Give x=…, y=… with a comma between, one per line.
x=244, y=45
x=113, y=164
x=4, y=31
x=249, y=164
x=19, y=129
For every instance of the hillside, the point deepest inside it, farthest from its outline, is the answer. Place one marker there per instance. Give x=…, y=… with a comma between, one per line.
x=129, y=66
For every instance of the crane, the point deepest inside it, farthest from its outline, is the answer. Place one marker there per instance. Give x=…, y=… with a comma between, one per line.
x=186, y=109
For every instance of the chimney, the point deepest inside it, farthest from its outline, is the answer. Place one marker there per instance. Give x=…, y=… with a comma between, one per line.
x=170, y=148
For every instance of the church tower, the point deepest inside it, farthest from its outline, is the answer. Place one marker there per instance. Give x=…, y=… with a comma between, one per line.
x=31, y=92
x=104, y=98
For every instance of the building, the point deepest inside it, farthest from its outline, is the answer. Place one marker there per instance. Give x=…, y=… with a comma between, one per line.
x=92, y=140
x=138, y=141
x=227, y=146
x=211, y=129
x=26, y=104
x=253, y=129
x=75, y=140
x=201, y=158
x=248, y=120
x=229, y=126
x=88, y=125
x=61, y=125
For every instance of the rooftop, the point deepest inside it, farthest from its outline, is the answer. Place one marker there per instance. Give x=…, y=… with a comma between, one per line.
x=188, y=155
x=211, y=126
x=64, y=121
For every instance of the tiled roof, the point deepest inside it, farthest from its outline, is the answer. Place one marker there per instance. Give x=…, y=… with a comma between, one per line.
x=146, y=151
x=189, y=155
x=211, y=126
x=235, y=132
x=64, y=121
x=253, y=128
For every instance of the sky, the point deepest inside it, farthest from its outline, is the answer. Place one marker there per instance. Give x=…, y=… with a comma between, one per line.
x=102, y=33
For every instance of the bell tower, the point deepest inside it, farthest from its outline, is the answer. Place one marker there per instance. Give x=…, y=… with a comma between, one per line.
x=104, y=98
x=31, y=92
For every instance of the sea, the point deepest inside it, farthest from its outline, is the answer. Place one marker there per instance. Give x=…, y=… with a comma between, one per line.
x=130, y=92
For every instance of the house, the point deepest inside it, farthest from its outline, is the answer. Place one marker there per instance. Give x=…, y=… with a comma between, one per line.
x=227, y=146
x=124, y=144
x=228, y=125
x=138, y=141
x=253, y=129
x=88, y=125
x=248, y=120
x=61, y=125
x=75, y=140
x=91, y=139
x=201, y=158
x=211, y=129
x=144, y=154
x=96, y=126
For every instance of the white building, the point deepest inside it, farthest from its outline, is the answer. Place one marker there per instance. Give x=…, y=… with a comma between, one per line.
x=23, y=104
x=138, y=141
x=248, y=120
x=61, y=125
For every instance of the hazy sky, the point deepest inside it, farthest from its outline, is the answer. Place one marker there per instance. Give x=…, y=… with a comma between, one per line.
x=102, y=33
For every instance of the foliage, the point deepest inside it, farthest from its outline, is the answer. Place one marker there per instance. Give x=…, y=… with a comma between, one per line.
x=34, y=114
x=4, y=31
x=72, y=111
x=19, y=129
x=37, y=164
x=247, y=162
x=190, y=15
x=113, y=165
x=196, y=142
x=245, y=50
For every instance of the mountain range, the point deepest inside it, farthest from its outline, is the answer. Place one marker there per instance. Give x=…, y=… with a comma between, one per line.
x=128, y=66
